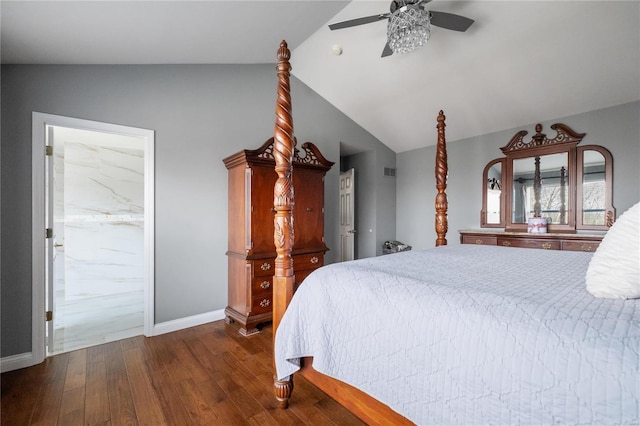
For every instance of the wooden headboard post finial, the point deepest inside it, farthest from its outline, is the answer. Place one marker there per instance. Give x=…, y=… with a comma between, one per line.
x=283, y=150
x=441, y=183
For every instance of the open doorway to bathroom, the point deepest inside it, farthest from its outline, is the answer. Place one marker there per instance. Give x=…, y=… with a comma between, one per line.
x=98, y=263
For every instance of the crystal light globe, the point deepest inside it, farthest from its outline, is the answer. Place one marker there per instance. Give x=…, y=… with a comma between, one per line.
x=408, y=29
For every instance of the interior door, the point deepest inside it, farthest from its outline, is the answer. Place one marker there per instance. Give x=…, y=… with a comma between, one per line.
x=347, y=215
x=55, y=235
x=50, y=245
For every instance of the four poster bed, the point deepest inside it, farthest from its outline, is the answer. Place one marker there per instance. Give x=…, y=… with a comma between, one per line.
x=456, y=334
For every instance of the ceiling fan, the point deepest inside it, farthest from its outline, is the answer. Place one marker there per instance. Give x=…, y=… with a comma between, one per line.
x=409, y=24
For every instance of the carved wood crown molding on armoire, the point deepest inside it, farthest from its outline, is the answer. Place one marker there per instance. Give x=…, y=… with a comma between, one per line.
x=251, y=252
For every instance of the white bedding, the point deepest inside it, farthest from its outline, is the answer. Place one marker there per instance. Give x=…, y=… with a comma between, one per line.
x=470, y=334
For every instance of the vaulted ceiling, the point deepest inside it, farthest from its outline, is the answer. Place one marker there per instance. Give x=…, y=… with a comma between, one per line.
x=520, y=62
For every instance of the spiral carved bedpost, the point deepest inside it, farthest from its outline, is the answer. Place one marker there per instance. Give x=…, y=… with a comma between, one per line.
x=283, y=149
x=441, y=183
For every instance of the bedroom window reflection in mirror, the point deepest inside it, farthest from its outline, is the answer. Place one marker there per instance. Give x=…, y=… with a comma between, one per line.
x=540, y=188
x=593, y=189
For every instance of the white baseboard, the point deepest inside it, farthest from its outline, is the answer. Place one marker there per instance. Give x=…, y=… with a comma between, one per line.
x=182, y=323
x=15, y=362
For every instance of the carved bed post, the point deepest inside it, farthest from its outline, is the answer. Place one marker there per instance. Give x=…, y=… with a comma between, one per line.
x=283, y=149
x=442, y=170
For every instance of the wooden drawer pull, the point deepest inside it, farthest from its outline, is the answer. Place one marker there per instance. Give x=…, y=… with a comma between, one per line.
x=479, y=241
x=265, y=266
x=265, y=284
x=314, y=260
x=264, y=303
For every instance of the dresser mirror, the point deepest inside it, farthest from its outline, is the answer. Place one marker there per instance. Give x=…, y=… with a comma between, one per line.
x=550, y=178
x=539, y=188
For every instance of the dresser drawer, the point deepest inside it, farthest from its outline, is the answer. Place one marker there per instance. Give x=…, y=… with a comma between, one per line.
x=580, y=245
x=308, y=261
x=487, y=240
x=261, y=304
x=261, y=285
x=529, y=243
x=263, y=267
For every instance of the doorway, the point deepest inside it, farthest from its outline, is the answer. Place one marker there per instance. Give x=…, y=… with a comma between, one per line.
x=347, y=215
x=98, y=211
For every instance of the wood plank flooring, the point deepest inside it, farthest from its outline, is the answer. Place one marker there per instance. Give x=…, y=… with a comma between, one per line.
x=205, y=375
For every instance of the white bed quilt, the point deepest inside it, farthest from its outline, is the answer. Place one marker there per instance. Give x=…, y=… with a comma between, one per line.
x=470, y=334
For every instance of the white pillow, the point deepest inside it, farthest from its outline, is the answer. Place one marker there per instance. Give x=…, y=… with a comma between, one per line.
x=614, y=270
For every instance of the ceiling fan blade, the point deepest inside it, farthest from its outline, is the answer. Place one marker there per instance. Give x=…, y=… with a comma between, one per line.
x=450, y=21
x=359, y=21
x=387, y=51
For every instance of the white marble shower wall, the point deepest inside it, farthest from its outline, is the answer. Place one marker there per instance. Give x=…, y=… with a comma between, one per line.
x=99, y=234
x=103, y=219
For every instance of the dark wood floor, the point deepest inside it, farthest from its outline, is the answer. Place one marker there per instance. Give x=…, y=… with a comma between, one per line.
x=205, y=375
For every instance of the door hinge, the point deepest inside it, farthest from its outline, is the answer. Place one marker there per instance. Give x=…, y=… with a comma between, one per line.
x=49, y=315
x=48, y=150
x=48, y=233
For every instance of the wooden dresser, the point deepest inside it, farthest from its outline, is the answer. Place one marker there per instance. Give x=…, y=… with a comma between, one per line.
x=555, y=241
x=251, y=252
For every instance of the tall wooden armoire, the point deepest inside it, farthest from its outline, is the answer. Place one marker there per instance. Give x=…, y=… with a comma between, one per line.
x=251, y=251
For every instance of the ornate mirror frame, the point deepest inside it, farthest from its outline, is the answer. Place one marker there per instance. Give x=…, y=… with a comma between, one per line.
x=566, y=141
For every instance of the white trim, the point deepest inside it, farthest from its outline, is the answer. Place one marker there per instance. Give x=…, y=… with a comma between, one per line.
x=39, y=123
x=15, y=362
x=149, y=232
x=192, y=321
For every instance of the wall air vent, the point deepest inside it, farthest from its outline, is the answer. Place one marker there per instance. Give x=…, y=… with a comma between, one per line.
x=390, y=172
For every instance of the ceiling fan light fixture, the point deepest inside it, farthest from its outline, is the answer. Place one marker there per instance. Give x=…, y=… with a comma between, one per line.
x=408, y=29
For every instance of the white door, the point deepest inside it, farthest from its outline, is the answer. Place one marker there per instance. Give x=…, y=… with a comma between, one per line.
x=347, y=215
x=51, y=246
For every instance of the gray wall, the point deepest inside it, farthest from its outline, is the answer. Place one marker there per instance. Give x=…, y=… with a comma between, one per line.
x=201, y=114
x=385, y=188
x=616, y=128
x=375, y=200
x=364, y=202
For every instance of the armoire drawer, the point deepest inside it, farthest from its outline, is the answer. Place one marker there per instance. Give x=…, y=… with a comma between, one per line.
x=262, y=285
x=261, y=303
x=263, y=267
x=308, y=261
